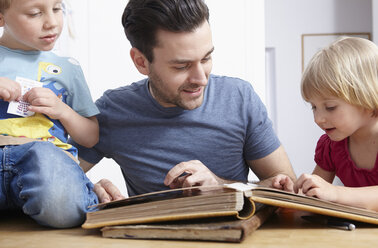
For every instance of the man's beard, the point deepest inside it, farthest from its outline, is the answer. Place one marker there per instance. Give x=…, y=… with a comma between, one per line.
x=156, y=86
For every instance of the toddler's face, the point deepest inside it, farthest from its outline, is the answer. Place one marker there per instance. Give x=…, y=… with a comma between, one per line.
x=338, y=118
x=32, y=24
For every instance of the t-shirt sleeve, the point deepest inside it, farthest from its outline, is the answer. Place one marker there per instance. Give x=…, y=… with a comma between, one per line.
x=261, y=139
x=79, y=98
x=90, y=155
x=323, y=153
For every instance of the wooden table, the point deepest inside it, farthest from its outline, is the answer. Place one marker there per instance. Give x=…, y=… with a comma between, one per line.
x=284, y=229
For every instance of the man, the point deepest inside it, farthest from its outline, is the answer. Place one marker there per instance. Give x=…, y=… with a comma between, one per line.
x=181, y=126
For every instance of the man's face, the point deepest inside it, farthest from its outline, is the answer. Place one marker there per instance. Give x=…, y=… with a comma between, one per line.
x=181, y=67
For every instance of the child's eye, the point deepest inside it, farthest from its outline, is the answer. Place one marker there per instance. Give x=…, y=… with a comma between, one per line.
x=34, y=14
x=330, y=108
x=58, y=8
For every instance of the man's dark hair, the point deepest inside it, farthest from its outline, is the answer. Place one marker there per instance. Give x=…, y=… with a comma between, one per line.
x=141, y=20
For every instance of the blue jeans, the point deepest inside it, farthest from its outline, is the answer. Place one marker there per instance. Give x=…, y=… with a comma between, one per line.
x=43, y=181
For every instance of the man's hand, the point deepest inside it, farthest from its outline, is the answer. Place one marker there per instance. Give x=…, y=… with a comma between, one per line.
x=191, y=173
x=106, y=191
x=9, y=90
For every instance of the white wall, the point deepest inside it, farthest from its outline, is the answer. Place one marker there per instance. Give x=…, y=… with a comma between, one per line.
x=103, y=49
x=375, y=20
x=285, y=22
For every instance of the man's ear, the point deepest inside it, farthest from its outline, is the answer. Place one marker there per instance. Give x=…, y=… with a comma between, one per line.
x=1, y=20
x=140, y=61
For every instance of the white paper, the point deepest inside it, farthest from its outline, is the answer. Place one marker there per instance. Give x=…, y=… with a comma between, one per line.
x=21, y=107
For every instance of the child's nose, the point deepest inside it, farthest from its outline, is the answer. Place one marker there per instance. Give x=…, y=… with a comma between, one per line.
x=319, y=118
x=50, y=20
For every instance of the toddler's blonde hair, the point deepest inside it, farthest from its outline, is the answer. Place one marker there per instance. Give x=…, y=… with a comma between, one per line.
x=346, y=69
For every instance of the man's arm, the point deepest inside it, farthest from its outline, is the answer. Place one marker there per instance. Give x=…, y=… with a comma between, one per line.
x=272, y=167
x=268, y=169
x=85, y=165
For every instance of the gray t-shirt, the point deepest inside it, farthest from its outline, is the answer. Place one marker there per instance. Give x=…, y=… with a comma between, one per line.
x=147, y=140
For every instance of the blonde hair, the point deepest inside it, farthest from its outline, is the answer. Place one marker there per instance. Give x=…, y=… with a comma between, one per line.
x=346, y=69
x=4, y=4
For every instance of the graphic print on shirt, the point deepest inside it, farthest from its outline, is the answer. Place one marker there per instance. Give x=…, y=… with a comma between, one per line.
x=39, y=126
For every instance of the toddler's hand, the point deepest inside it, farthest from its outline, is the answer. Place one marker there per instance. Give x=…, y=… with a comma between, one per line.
x=283, y=182
x=314, y=185
x=9, y=90
x=44, y=100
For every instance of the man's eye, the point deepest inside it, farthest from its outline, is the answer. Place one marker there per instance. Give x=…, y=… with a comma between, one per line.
x=204, y=60
x=180, y=68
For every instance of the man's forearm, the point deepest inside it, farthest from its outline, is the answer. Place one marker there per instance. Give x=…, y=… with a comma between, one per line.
x=85, y=166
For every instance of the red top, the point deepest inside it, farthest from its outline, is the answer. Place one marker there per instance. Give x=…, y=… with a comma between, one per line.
x=334, y=156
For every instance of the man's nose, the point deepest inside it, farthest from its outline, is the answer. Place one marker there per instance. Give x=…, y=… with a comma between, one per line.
x=198, y=75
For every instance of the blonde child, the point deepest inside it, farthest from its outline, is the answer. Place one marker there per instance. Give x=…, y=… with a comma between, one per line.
x=38, y=171
x=341, y=84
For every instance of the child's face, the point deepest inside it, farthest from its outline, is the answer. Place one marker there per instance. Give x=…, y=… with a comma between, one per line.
x=338, y=118
x=32, y=24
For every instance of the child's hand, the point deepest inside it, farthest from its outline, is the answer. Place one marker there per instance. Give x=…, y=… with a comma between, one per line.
x=283, y=182
x=314, y=185
x=9, y=90
x=44, y=100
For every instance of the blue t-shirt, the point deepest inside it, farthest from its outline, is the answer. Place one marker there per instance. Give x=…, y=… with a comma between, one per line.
x=147, y=140
x=60, y=74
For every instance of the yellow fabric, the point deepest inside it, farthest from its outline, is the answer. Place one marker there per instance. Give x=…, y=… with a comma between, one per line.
x=34, y=127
